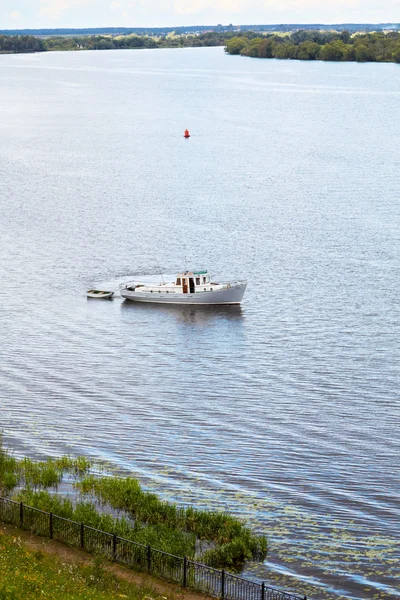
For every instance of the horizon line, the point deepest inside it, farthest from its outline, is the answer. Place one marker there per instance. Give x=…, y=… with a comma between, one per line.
x=200, y=26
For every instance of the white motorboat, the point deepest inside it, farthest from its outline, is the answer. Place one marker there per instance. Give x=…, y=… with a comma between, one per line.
x=99, y=294
x=189, y=287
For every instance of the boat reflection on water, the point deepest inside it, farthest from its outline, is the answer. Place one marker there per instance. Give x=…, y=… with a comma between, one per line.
x=189, y=314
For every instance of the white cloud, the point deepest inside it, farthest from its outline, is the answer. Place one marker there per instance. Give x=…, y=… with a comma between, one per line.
x=103, y=13
x=200, y=6
x=55, y=9
x=319, y=6
x=316, y=4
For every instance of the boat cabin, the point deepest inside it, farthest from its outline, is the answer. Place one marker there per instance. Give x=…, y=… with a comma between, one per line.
x=190, y=281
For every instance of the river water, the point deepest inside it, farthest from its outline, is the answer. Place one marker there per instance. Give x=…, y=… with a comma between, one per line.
x=286, y=410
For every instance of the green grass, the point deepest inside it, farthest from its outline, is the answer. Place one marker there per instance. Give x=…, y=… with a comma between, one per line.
x=37, y=474
x=235, y=543
x=161, y=537
x=31, y=574
x=145, y=519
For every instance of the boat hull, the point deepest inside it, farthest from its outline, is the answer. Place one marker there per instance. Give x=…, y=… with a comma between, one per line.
x=100, y=295
x=231, y=295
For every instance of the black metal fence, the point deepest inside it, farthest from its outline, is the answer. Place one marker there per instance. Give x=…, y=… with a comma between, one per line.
x=214, y=582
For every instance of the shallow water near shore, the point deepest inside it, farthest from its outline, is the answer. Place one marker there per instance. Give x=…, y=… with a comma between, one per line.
x=285, y=410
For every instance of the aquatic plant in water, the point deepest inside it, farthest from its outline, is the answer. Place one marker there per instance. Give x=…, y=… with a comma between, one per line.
x=147, y=519
x=234, y=542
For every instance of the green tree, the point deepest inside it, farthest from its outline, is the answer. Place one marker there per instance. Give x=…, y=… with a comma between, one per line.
x=333, y=51
x=308, y=51
x=252, y=48
x=300, y=36
x=345, y=36
x=396, y=55
x=285, y=51
x=266, y=49
x=105, y=44
x=236, y=45
x=363, y=53
x=349, y=52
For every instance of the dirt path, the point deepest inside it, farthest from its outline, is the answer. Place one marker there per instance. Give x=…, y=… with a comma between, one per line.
x=75, y=555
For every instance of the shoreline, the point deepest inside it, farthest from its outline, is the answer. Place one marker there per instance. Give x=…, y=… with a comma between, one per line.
x=304, y=45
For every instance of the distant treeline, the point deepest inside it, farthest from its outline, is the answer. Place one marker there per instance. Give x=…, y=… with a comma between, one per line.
x=302, y=45
x=162, y=31
x=320, y=45
x=19, y=44
x=28, y=43
x=99, y=42
x=153, y=31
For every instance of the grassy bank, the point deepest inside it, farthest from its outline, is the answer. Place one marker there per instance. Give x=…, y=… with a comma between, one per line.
x=29, y=574
x=119, y=505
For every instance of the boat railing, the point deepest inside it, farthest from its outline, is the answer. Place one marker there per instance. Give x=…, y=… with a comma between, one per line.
x=229, y=284
x=126, y=284
x=225, y=285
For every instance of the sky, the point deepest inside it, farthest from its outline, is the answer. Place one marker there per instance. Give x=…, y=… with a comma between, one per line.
x=16, y=14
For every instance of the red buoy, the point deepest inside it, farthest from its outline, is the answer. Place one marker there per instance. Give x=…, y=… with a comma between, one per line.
x=186, y=134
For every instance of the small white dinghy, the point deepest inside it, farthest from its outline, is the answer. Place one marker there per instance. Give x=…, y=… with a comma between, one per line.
x=99, y=294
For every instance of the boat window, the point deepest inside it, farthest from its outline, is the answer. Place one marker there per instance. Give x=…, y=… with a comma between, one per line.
x=204, y=279
x=197, y=280
x=178, y=281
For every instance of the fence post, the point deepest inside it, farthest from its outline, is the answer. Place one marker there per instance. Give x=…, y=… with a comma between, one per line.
x=184, y=571
x=149, y=558
x=114, y=547
x=21, y=514
x=223, y=584
x=82, y=536
x=263, y=591
x=51, y=526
